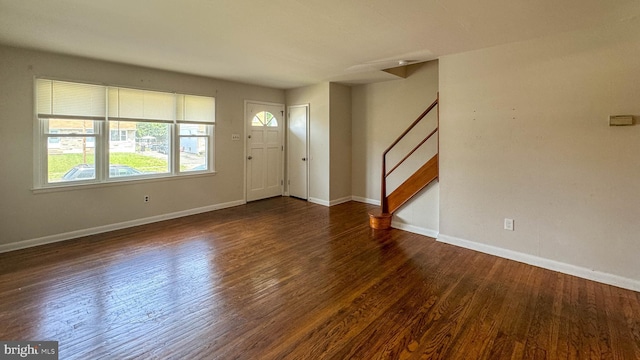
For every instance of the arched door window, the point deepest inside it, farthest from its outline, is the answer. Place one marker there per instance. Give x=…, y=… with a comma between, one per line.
x=264, y=118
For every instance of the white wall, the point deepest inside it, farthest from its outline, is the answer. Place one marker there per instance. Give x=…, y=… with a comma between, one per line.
x=380, y=113
x=524, y=135
x=317, y=96
x=28, y=218
x=340, y=134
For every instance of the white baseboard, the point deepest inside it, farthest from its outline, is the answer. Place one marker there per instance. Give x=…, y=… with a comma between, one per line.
x=564, y=268
x=340, y=201
x=319, y=201
x=329, y=203
x=366, y=200
x=111, y=227
x=344, y=200
x=414, y=229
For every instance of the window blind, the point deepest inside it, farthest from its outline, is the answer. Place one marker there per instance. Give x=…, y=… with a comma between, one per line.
x=195, y=109
x=131, y=104
x=65, y=99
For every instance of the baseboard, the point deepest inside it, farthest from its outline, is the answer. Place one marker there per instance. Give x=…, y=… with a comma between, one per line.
x=414, y=229
x=344, y=200
x=366, y=200
x=340, y=201
x=319, y=201
x=111, y=227
x=330, y=203
x=564, y=268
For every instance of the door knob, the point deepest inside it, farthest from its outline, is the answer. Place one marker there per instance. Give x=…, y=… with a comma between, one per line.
x=304, y=159
x=249, y=157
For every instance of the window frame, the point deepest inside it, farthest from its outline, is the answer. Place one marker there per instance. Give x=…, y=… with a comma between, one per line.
x=101, y=135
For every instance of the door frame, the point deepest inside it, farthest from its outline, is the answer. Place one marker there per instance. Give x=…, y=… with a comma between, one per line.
x=245, y=143
x=307, y=107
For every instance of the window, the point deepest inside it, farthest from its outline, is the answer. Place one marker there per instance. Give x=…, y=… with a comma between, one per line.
x=194, y=144
x=117, y=135
x=95, y=134
x=264, y=118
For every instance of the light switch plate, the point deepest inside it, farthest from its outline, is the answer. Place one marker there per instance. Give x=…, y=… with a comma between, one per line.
x=508, y=224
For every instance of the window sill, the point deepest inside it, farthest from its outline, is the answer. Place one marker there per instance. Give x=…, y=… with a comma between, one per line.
x=131, y=181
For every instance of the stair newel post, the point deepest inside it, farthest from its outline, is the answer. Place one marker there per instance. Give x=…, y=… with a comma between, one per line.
x=438, y=123
x=383, y=185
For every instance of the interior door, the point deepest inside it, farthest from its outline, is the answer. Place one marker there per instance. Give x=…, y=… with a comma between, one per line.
x=298, y=158
x=264, y=150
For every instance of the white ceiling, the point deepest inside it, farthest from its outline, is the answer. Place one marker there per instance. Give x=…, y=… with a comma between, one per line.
x=290, y=43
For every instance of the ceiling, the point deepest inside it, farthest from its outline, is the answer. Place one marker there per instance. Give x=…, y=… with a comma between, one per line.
x=290, y=43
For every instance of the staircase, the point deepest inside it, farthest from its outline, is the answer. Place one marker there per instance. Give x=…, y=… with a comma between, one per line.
x=389, y=203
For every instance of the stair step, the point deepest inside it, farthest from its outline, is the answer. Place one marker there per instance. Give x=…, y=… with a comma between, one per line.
x=416, y=182
x=379, y=220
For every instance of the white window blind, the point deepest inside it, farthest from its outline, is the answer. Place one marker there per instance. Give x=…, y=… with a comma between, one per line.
x=195, y=109
x=65, y=99
x=131, y=104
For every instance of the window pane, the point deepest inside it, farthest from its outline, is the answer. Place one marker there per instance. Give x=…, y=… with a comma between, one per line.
x=71, y=158
x=138, y=148
x=264, y=118
x=267, y=117
x=193, y=153
x=194, y=149
x=259, y=119
x=256, y=122
x=193, y=129
x=62, y=126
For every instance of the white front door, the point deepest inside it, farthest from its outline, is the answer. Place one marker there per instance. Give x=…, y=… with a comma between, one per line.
x=264, y=150
x=297, y=151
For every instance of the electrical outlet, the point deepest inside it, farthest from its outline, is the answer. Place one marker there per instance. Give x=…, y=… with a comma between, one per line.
x=508, y=224
x=146, y=198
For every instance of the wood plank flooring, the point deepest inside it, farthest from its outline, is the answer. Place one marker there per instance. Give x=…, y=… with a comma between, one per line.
x=286, y=279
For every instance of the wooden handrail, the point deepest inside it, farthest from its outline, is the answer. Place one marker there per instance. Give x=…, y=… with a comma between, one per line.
x=412, y=151
x=435, y=102
x=383, y=187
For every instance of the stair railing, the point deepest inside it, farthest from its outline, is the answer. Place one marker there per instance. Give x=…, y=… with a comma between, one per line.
x=383, y=198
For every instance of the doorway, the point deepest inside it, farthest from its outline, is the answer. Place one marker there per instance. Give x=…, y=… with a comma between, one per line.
x=265, y=150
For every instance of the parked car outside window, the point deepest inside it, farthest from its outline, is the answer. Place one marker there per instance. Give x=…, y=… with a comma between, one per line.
x=88, y=171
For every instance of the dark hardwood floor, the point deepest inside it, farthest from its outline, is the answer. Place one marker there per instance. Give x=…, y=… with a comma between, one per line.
x=285, y=279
